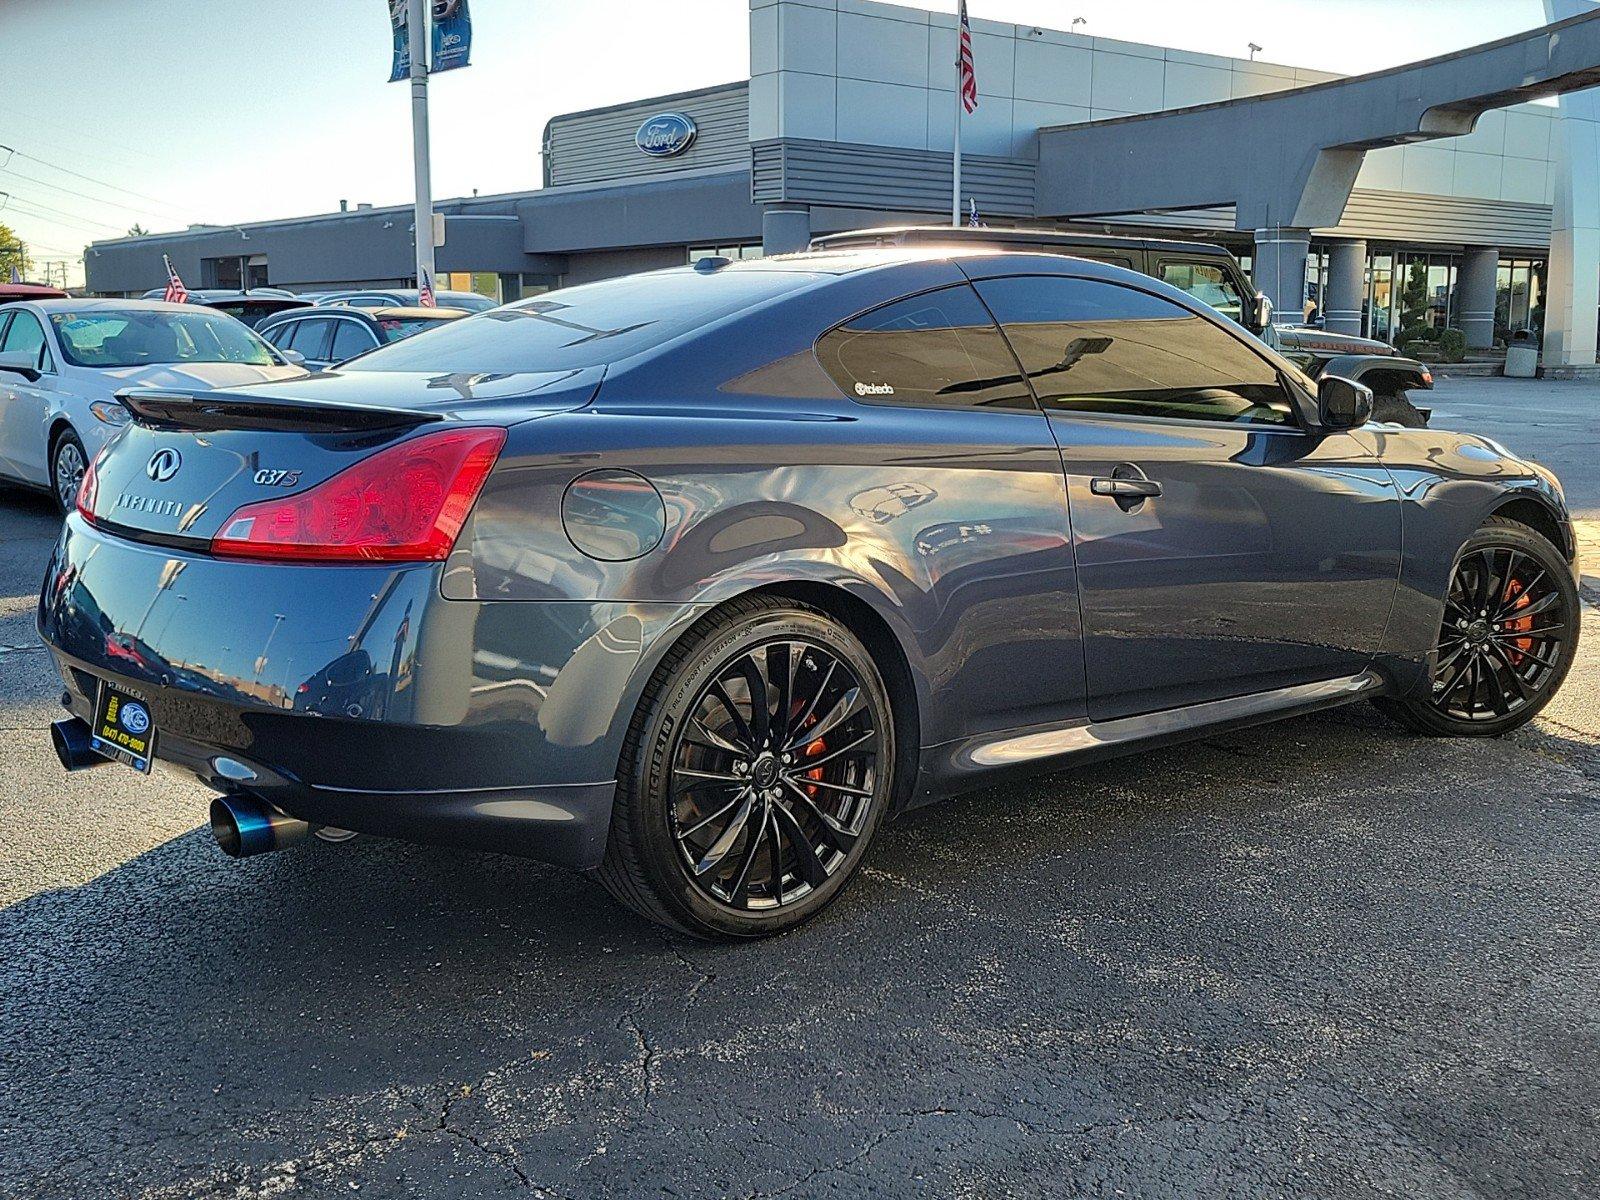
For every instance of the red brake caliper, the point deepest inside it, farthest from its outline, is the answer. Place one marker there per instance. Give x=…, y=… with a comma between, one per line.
x=811, y=750
x=1515, y=592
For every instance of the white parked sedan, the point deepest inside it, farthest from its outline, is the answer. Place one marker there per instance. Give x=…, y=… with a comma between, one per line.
x=63, y=361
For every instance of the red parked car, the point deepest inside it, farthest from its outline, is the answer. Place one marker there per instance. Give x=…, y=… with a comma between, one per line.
x=29, y=291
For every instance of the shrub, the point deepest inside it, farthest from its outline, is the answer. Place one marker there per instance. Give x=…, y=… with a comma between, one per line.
x=1452, y=345
x=1418, y=333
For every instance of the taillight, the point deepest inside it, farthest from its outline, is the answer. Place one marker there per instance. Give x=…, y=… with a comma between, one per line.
x=404, y=504
x=88, y=490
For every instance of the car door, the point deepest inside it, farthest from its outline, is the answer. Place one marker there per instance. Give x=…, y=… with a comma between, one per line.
x=966, y=483
x=351, y=336
x=310, y=339
x=1207, y=280
x=24, y=403
x=1222, y=547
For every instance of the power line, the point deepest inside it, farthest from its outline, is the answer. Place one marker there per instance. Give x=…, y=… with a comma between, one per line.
x=85, y=195
x=10, y=150
x=50, y=215
x=31, y=122
x=58, y=212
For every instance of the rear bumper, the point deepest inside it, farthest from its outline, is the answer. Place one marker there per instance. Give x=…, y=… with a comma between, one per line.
x=358, y=696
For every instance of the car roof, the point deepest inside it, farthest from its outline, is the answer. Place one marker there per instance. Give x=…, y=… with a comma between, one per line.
x=29, y=291
x=111, y=303
x=209, y=295
x=412, y=313
x=921, y=235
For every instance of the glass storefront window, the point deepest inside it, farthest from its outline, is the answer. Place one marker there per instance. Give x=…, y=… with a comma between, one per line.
x=1379, y=321
x=1519, y=296
x=749, y=250
x=1316, y=280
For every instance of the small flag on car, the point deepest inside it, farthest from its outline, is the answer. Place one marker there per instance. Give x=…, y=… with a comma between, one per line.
x=425, y=292
x=176, y=292
x=16, y=275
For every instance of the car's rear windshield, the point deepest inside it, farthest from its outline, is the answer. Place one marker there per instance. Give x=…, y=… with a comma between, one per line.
x=585, y=326
x=396, y=329
x=136, y=338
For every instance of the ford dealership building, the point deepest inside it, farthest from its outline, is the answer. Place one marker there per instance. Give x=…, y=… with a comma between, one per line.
x=846, y=122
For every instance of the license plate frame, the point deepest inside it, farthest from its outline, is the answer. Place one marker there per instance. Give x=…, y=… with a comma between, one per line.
x=124, y=729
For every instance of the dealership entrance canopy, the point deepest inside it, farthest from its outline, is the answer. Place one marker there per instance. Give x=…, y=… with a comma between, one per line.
x=1427, y=195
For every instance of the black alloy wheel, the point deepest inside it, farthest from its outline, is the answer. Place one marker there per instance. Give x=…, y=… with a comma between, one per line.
x=1508, y=636
x=764, y=758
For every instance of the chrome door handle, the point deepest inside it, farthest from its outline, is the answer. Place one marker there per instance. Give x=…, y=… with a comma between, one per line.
x=1124, y=489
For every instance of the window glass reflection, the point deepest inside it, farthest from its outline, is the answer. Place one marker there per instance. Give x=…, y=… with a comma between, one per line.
x=1089, y=346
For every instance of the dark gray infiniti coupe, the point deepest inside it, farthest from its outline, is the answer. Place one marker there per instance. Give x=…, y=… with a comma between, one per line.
x=691, y=579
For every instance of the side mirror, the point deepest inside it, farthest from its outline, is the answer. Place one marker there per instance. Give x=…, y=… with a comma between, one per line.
x=1343, y=403
x=21, y=362
x=1263, y=312
x=293, y=357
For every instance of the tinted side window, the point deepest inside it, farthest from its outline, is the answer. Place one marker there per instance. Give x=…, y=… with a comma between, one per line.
x=1096, y=347
x=310, y=338
x=26, y=336
x=350, y=339
x=1208, y=283
x=939, y=348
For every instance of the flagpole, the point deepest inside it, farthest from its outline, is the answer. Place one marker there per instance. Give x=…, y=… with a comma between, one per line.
x=422, y=210
x=955, y=191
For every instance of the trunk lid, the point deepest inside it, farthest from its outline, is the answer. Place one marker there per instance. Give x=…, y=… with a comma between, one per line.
x=191, y=458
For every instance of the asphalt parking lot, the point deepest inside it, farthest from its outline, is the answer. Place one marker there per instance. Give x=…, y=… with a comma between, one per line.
x=1321, y=958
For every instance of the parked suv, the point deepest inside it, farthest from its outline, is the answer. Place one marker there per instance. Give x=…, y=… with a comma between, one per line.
x=1210, y=274
x=323, y=336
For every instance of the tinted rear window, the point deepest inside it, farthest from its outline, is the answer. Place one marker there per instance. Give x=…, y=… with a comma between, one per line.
x=585, y=326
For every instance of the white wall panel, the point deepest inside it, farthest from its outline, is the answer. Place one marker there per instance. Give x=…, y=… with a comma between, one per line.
x=1126, y=83
x=869, y=110
x=881, y=50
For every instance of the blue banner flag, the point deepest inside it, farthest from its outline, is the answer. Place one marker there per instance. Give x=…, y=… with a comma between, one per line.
x=452, y=35
x=402, y=41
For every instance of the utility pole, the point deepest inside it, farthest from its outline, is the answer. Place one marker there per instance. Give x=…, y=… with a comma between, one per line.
x=422, y=215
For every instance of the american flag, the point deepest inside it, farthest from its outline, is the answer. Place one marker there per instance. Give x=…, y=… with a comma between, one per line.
x=176, y=292
x=425, y=292
x=967, y=75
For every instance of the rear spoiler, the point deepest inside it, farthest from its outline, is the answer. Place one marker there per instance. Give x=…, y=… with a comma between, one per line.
x=158, y=408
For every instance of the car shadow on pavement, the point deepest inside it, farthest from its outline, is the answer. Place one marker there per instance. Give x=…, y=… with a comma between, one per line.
x=1213, y=938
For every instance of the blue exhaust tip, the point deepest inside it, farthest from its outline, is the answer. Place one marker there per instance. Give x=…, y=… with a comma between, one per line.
x=244, y=826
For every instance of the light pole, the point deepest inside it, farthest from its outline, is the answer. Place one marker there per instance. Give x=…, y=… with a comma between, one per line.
x=422, y=214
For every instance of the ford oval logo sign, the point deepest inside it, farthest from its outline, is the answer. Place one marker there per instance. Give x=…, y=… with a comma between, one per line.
x=666, y=134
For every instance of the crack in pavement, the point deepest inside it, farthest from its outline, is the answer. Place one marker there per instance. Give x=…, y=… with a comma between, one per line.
x=649, y=1061
x=676, y=951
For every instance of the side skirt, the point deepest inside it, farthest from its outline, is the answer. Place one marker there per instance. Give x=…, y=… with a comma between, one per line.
x=978, y=762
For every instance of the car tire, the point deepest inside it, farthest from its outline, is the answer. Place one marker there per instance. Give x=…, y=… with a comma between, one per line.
x=1473, y=688
x=68, y=460
x=704, y=779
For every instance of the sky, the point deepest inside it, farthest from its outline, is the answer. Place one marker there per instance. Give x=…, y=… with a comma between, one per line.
x=169, y=112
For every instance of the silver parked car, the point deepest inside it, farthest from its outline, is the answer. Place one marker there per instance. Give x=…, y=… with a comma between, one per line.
x=62, y=362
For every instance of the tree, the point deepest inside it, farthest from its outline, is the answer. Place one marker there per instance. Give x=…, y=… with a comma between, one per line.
x=1414, y=299
x=137, y=230
x=12, y=254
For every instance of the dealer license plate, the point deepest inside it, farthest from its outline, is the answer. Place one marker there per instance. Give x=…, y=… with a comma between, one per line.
x=123, y=728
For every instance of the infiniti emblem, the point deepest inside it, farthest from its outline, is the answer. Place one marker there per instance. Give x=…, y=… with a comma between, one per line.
x=163, y=465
